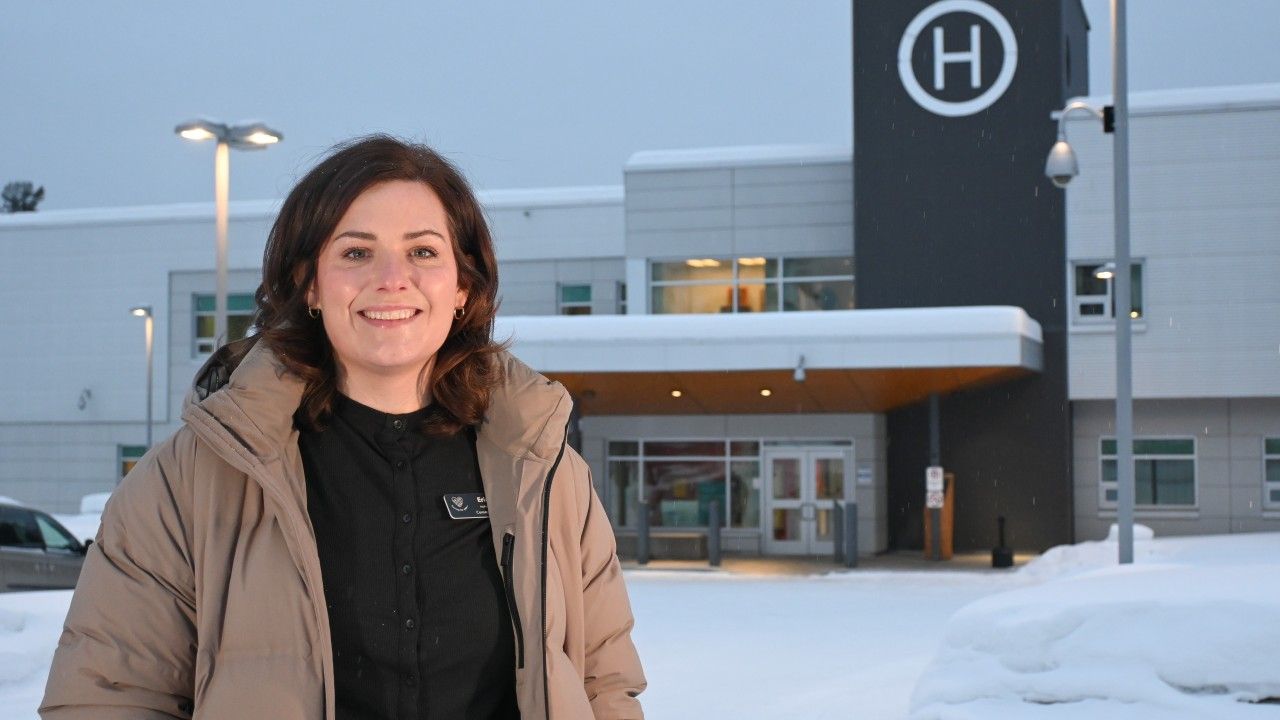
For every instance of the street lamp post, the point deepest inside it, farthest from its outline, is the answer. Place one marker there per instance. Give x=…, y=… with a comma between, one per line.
x=246, y=136
x=144, y=311
x=1061, y=167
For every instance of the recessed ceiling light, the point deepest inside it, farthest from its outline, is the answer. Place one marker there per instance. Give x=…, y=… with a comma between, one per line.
x=766, y=392
x=676, y=393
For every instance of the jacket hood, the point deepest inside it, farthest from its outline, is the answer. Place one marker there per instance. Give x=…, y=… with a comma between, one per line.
x=246, y=388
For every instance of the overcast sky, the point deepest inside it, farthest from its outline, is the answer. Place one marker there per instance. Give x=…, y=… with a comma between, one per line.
x=521, y=94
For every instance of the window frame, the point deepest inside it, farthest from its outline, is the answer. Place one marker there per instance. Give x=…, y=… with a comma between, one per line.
x=1138, y=268
x=1269, y=487
x=196, y=313
x=128, y=453
x=728, y=458
x=1103, y=486
x=779, y=281
x=562, y=304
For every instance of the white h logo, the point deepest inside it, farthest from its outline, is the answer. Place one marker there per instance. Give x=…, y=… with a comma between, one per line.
x=942, y=58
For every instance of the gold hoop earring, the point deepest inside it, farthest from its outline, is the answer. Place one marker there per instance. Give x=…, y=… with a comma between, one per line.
x=459, y=312
x=314, y=312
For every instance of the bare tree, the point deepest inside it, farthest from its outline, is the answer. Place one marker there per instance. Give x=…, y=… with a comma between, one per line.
x=21, y=197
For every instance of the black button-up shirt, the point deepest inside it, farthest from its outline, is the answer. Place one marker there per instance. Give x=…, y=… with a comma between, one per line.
x=417, y=609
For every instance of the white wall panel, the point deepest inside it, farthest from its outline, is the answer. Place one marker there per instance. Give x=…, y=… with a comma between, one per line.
x=1205, y=197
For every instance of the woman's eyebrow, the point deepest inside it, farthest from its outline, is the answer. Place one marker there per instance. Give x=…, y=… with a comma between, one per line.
x=361, y=235
x=419, y=233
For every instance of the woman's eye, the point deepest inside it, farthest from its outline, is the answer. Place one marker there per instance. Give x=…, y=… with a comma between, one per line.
x=355, y=253
x=423, y=252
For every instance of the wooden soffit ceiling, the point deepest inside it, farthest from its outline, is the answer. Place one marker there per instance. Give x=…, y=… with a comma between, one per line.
x=739, y=391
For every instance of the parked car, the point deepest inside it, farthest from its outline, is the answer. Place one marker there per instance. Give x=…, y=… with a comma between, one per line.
x=36, y=551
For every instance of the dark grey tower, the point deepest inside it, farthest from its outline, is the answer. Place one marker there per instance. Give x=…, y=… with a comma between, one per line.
x=951, y=127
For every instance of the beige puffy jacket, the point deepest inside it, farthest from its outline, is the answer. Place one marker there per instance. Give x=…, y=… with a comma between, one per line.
x=202, y=596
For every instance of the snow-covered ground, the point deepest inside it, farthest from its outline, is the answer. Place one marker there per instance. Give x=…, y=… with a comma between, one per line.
x=847, y=645
x=1190, y=631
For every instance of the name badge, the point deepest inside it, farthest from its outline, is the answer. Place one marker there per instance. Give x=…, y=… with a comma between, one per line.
x=466, y=506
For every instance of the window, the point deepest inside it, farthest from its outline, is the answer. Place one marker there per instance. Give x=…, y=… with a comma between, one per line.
x=1271, y=470
x=575, y=299
x=751, y=284
x=129, y=456
x=18, y=528
x=1164, y=472
x=681, y=479
x=622, y=298
x=54, y=536
x=1093, y=301
x=240, y=310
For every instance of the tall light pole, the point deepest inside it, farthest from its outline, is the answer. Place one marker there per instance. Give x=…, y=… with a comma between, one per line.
x=144, y=311
x=246, y=136
x=1061, y=167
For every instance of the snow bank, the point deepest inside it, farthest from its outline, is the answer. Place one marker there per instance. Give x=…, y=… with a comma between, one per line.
x=30, y=623
x=83, y=526
x=94, y=504
x=1189, y=631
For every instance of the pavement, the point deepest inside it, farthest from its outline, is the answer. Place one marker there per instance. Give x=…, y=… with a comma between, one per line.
x=903, y=560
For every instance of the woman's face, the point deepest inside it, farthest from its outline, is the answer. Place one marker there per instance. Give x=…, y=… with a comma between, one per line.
x=387, y=282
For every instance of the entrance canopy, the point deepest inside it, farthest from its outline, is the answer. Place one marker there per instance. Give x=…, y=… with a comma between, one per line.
x=780, y=362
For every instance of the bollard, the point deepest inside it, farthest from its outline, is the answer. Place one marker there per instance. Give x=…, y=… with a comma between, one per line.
x=642, y=533
x=713, y=533
x=837, y=532
x=1001, y=555
x=850, y=527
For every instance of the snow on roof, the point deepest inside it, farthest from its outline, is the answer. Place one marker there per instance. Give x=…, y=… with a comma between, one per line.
x=267, y=209
x=1196, y=99
x=885, y=323
x=551, y=196
x=739, y=156
x=978, y=336
x=137, y=214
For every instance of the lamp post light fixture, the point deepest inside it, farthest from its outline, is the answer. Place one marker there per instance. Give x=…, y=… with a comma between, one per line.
x=246, y=136
x=144, y=311
x=1060, y=167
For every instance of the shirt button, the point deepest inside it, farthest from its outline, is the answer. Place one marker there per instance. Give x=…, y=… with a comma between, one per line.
x=399, y=464
x=408, y=624
x=406, y=518
x=405, y=570
x=410, y=680
x=397, y=424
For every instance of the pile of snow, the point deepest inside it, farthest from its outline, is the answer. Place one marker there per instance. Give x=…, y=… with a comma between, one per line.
x=85, y=525
x=10, y=501
x=94, y=504
x=30, y=623
x=1190, y=630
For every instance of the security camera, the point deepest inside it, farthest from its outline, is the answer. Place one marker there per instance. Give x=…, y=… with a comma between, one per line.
x=1061, y=164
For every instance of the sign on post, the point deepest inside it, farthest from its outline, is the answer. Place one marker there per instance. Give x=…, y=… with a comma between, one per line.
x=933, y=487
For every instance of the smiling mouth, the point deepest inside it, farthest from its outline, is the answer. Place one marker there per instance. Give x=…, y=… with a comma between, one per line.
x=403, y=314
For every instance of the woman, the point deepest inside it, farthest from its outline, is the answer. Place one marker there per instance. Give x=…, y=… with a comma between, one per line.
x=370, y=510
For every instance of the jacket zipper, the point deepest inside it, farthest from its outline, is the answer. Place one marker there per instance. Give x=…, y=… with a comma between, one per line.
x=508, y=559
x=546, y=520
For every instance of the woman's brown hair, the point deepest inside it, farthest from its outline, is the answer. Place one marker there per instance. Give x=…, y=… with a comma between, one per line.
x=465, y=370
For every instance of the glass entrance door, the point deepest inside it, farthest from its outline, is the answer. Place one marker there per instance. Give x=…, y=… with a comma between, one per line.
x=803, y=485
